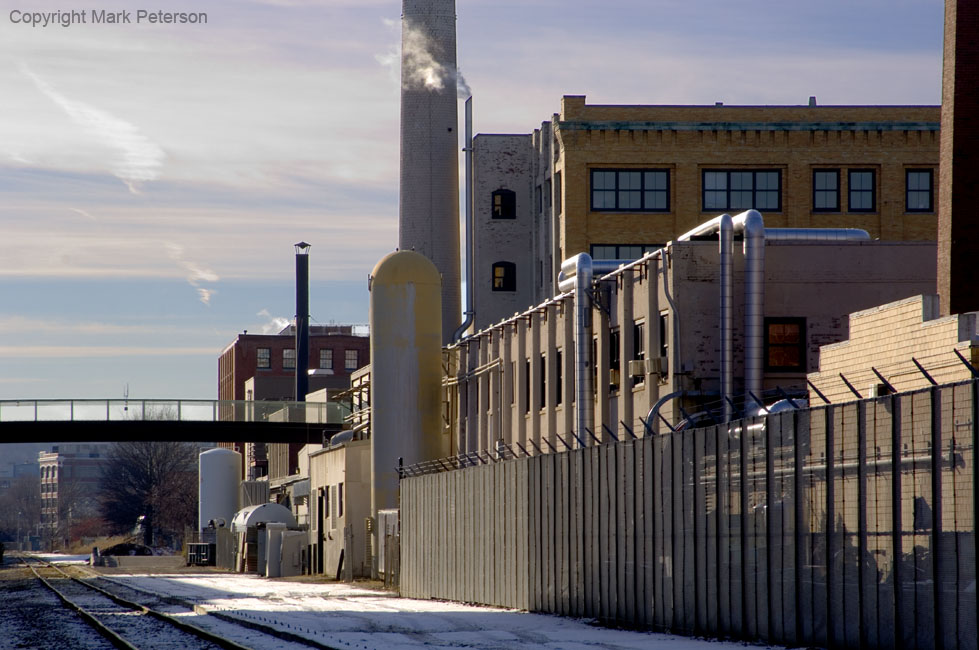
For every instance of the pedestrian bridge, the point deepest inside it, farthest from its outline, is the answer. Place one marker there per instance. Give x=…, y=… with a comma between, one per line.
x=108, y=420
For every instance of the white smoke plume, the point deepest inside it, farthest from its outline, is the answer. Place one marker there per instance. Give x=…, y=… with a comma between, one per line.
x=419, y=66
x=195, y=274
x=275, y=324
x=463, y=91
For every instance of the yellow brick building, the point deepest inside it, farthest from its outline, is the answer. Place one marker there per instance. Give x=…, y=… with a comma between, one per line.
x=616, y=180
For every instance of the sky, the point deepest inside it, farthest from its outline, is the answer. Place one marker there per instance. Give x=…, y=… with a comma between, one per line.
x=154, y=178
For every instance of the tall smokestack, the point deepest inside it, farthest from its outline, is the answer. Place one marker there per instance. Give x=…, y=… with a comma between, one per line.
x=429, y=208
x=302, y=321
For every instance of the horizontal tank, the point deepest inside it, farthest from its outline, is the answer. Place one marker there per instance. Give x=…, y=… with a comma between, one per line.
x=219, y=476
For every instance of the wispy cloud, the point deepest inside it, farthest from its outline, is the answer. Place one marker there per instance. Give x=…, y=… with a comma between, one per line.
x=98, y=351
x=138, y=158
x=195, y=273
x=23, y=324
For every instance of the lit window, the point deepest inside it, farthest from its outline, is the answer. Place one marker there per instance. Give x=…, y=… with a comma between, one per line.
x=742, y=190
x=326, y=358
x=289, y=359
x=264, y=358
x=826, y=190
x=630, y=190
x=350, y=360
x=785, y=344
x=920, y=195
x=504, y=276
x=504, y=204
x=863, y=194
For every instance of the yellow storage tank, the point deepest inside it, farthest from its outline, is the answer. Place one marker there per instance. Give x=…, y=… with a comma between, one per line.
x=406, y=370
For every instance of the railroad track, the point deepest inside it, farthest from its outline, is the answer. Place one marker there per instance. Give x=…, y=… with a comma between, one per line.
x=130, y=625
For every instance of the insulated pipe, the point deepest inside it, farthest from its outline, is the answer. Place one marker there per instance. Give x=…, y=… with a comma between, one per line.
x=581, y=266
x=566, y=282
x=726, y=250
x=469, y=313
x=754, y=300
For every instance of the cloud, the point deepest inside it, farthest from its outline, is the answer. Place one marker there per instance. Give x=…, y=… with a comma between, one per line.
x=195, y=274
x=99, y=351
x=138, y=158
x=83, y=213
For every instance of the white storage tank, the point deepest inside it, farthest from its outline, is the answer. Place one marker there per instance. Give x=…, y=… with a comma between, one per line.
x=220, y=474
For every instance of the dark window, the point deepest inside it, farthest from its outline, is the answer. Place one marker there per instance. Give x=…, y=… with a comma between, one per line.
x=826, y=190
x=340, y=500
x=742, y=190
x=614, y=360
x=639, y=349
x=664, y=339
x=557, y=193
x=630, y=190
x=862, y=191
x=559, y=375
x=264, y=358
x=289, y=359
x=326, y=358
x=526, y=386
x=504, y=204
x=543, y=380
x=513, y=382
x=621, y=251
x=547, y=193
x=504, y=276
x=351, y=360
x=920, y=193
x=785, y=344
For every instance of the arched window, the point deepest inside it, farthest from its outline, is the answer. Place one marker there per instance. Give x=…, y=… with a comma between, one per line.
x=504, y=276
x=504, y=204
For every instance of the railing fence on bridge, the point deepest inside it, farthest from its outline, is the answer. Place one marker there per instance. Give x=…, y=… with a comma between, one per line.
x=848, y=525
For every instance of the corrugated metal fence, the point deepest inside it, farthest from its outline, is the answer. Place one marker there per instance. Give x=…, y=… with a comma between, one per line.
x=849, y=525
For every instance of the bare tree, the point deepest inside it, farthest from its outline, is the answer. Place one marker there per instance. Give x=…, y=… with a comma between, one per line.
x=153, y=480
x=20, y=507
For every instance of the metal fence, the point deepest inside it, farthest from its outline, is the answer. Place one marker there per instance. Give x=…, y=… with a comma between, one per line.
x=847, y=525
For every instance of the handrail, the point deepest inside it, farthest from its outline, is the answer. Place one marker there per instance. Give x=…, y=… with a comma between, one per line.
x=176, y=410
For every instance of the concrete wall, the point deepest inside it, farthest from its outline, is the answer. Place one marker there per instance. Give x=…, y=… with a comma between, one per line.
x=503, y=380
x=348, y=465
x=886, y=338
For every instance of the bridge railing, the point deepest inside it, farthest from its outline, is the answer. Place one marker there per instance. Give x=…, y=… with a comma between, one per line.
x=114, y=410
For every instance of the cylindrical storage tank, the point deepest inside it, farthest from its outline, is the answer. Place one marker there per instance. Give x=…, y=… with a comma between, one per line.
x=406, y=370
x=219, y=476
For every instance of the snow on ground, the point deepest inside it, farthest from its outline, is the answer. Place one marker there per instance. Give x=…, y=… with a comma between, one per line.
x=344, y=615
x=61, y=558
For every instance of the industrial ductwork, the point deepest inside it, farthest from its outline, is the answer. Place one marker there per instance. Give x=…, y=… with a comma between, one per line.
x=470, y=248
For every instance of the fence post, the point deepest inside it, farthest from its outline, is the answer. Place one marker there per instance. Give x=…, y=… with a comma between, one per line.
x=830, y=525
x=896, y=517
x=769, y=511
x=861, y=518
x=936, y=513
x=743, y=528
x=799, y=517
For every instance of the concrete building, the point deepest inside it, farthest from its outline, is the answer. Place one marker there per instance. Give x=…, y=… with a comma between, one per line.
x=70, y=477
x=340, y=483
x=657, y=341
x=618, y=181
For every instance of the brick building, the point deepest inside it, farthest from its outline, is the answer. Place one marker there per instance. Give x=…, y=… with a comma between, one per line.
x=616, y=181
x=70, y=479
x=263, y=367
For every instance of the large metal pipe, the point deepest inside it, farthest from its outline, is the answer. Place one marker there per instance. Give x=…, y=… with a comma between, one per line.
x=581, y=266
x=470, y=248
x=754, y=301
x=726, y=246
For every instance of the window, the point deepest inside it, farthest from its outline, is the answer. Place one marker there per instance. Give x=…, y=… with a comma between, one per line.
x=505, y=276
x=664, y=339
x=558, y=375
x=326, y=358
x=351, y=360
x=742, y=190
x=826, y=190
x=557, y=192
x=863, y=194
x=614, y=360
x=630, y=190
x=920, y=195
x=264, y=358
x=340, y=500
x=539, y=195
x=785, y=344
x=289, y=359
x=543, y=381
x=621, y=251
x=639, y=349
x=526, y=386
x=504, y=204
